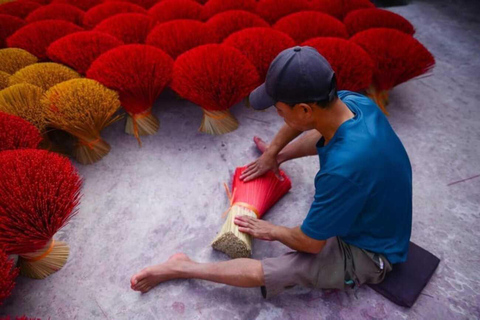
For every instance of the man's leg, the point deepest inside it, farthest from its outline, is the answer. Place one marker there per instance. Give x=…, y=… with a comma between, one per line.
x=238, y=272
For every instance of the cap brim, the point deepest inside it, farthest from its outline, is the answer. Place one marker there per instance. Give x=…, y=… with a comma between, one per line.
x=259, y=98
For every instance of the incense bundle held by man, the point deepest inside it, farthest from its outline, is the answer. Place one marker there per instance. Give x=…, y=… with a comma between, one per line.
x=359, y=223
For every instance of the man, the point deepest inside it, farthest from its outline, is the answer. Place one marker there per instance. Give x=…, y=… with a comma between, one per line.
x=359, y=223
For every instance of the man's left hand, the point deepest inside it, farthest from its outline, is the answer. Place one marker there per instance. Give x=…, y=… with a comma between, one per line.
x=257, y=228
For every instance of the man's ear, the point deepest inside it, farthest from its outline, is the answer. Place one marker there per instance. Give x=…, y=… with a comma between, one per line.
x=307, y=109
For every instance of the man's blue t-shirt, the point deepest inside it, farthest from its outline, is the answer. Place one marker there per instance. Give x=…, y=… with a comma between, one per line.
x=364, y=186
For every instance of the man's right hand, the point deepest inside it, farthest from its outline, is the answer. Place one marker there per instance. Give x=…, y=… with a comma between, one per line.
x=266, y=162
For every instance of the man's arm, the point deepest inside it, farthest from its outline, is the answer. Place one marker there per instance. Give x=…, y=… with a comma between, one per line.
x=293, y=238
x=280, y=151
x=302, y=147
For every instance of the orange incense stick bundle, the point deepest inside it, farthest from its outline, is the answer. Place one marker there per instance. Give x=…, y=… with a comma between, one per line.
x=253, y=198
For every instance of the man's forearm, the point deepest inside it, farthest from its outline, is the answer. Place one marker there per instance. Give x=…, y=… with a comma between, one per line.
x=295, y=239
x=281, y=139
x=302, y=147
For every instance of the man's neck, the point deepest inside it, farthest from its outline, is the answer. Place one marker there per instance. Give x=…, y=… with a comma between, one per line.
x=329, y=120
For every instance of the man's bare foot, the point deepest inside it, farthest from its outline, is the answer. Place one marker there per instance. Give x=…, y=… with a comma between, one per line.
x=261, y=145
x=153, y=275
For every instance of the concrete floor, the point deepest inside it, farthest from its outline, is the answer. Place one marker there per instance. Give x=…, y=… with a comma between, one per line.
x=142, y=205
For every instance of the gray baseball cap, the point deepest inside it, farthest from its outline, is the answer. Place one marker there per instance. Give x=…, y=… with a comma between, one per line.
x=297, y=74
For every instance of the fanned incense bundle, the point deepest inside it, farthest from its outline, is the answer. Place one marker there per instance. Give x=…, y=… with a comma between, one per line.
x=147, y=4
x=397, y=57
x=58, y=11
x=82, y=4
x=3, y=80
x=169, y=10
x=14, y=59
x=305, y=25
x=8, y=25
x=127, y=27
x=43, y=75
x=363, y=19
x=340, y=8
x=108, y=9
x=178, y=36
x=16, y=133
x=19, y=9
x=273, y=10
x=215, y=77
x=83, y=108
x=260, y=46
x=352, y=65
x=139, y=73
x=78, y=50
x=8, y=273
x=213, y=7
x=23, y=100
x=37, y=36
x=39, y=193
x=228, y=22
x=253, y=199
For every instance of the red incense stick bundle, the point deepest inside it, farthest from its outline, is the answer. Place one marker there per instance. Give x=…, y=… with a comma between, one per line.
x=364, y=19
x=108, y=9
x=82, y=4
x=305, y=25
x=37, y=36
x=273, y=10
x=19, y=9
x=16, y=133
x=78, y=50
x=340, y=8
x=139, y=73
x=215, y=77
x=397, y=57
x=254, y=199
x=228, y=22
x=352, y=65
x=39, y=193
x=169, y=10
x=213, y=7
x=8, y=273
x=59, y=11
x=260, y=45
x=127, y=27
x=178, y=36
x=8, y=25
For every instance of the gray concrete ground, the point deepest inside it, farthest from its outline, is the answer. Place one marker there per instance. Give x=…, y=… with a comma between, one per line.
x=141, y=205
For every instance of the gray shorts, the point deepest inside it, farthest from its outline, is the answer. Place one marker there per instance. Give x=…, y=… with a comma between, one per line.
x=338, y=266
